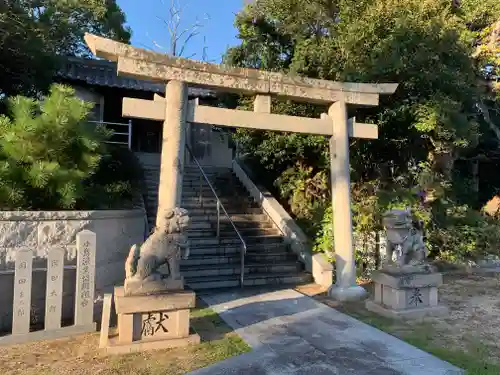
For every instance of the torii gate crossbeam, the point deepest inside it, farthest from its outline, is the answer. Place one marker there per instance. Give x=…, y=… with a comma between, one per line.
x=175, y=111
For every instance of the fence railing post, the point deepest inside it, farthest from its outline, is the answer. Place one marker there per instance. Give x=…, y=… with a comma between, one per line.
x=85, y=278
x=22, y=292
x=130, y=134
x=54, y=291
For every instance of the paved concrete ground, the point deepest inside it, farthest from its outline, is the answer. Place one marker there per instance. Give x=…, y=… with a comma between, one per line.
x=293, y=334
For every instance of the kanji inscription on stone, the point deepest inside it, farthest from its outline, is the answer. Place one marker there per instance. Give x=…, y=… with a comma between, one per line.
x=22, y=292
x=416, y=297
x=154, y=323
x=85, y=277
x=54, y=292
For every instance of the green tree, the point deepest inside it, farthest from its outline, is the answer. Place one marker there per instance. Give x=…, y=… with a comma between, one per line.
x=435, y=117
x=34, y=33
x=48, y=151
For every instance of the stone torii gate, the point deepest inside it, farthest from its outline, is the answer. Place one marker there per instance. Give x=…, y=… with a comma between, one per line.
x=175, y=111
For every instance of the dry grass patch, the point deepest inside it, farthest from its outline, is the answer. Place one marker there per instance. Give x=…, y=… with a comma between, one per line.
x=80, y=355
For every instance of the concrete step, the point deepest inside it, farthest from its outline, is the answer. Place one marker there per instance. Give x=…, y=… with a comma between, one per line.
x=240, y=218
x=201, y=215
x=194, y=189
x=213, y=179
x=235, y=269
x=232, y=249
x=242, y=225
x=219, y=282
x=271, y=239
x=186, y=181
x=211, y=200
x=192, y=172
x=207, y=199
x=154, y=174
x=231, y=204
x=235, y=259
x=195, y=179
x=213, y=211
x=225, y=225
x=207, y=169
x=195, y=193
x=237, y=218
x=230, y=232
x=196, y=176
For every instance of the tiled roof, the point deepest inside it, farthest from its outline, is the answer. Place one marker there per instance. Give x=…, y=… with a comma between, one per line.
x=103, y=73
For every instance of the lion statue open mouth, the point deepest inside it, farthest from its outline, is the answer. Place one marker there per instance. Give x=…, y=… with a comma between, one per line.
x=164, y=246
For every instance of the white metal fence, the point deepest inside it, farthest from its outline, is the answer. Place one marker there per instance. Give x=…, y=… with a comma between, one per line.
x=122, y=132
x=84, y=293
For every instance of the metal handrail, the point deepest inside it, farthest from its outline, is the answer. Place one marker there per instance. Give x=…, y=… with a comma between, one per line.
x=219, y=207
x=109, y=123
x=128, y=134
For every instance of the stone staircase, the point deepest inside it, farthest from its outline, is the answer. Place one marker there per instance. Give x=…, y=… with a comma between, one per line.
x=216, y=264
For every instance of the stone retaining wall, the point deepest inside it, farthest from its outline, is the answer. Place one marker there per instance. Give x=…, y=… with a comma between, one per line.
x=40, y=231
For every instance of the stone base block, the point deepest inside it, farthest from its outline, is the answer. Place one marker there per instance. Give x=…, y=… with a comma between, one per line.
x=352, y=293
x=152, y=321
x=410, y=295
x=174, y=300
x=115, y=347
x=417, y=313
x=52, y=334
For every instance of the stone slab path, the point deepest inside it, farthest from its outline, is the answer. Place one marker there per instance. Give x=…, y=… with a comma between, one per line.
x=293, y=334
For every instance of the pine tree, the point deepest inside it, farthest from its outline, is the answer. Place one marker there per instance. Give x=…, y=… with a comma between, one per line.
x=48, y=150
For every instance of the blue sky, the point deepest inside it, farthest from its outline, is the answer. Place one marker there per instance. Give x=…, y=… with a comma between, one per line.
x=143, y=17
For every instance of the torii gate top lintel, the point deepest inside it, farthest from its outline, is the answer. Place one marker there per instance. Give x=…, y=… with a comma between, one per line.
x=176, y=111
x=142, y=64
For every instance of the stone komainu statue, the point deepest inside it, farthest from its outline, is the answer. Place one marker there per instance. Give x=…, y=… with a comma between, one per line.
x=163, y=247
x=405, y=234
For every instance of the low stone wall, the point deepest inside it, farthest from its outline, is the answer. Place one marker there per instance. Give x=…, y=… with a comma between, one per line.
x=40, y=231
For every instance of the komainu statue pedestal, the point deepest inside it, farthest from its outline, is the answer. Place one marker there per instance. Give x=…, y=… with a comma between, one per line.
x=155, y=321
x=407, y=287
x=406, y=295
x=153, y=310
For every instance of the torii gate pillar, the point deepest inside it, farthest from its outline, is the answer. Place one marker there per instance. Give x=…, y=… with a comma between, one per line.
x=172, y=153
x=176, y=111
x=345, y=287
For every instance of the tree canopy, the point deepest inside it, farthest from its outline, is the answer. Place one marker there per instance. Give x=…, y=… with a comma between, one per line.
x=34, y=33
x=443, y=55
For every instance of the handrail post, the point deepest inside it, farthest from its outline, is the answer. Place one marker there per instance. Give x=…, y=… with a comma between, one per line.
x=130, y=135
x=242, y=275
x=201, y=190
x=218, y=220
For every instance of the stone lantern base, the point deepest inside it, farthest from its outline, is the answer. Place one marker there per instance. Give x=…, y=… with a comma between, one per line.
x=157, y=321
x=406, y=294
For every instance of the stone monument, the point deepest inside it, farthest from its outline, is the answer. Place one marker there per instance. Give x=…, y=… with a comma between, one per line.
x=406, y=286
x=153, y=309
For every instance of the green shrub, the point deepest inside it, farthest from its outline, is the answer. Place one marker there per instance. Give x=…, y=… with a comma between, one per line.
x=453, y=232
x=116, y=182
x=47, y=149
x=459, y=233
x=52, y=158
